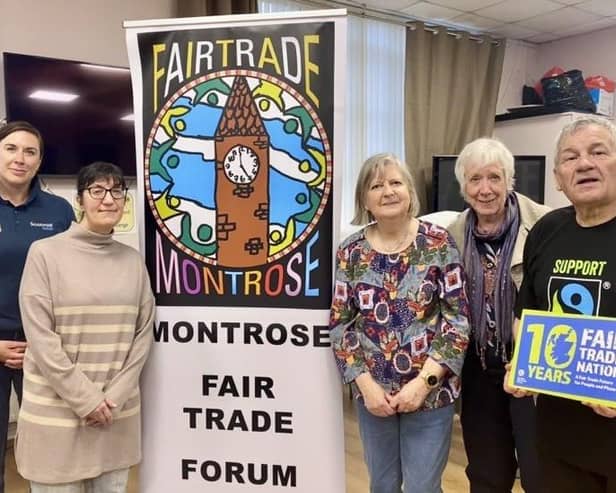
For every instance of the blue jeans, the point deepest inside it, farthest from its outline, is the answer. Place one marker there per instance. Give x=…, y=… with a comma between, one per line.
x=108, y=482
x=406, y=452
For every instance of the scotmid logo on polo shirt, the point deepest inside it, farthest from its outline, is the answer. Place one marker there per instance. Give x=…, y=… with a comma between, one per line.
x=43, y=226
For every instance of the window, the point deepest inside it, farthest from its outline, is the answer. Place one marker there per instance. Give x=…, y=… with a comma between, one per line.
x=375, y=94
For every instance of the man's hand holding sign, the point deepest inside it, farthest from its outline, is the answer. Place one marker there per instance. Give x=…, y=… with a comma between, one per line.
x=570, y=356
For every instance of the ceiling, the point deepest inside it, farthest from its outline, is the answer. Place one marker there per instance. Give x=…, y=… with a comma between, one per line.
x=536, y=21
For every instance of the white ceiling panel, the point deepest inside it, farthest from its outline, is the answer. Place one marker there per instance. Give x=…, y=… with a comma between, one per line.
x=514, y=31
x=593, y=26
x=601, y=7
x=467, y=5
x=426, y=10
x=543, y=38
x=394, y=5
x=475, y=22
x=512, y=11
x=560, y=20
x=537, y=21
x=569, y=2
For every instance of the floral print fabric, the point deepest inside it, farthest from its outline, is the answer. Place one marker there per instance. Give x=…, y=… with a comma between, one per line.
x=391, y=311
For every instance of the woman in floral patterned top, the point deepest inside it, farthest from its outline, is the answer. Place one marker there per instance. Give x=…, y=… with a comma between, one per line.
x=399, y=330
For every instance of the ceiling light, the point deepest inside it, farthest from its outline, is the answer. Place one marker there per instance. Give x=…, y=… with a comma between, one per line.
x=104, y=67
x=55, y=96
x=128, y=118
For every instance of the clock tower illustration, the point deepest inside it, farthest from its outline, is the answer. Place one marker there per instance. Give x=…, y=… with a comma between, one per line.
x=242, y=169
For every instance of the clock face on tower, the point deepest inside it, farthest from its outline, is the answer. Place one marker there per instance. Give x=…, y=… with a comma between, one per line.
x=271, y=169
x=241, y=164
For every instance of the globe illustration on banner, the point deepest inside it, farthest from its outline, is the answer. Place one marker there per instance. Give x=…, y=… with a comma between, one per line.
x=560, y=346
x=238, y=169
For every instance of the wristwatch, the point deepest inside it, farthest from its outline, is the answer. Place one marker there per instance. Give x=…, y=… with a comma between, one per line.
x=430, y=379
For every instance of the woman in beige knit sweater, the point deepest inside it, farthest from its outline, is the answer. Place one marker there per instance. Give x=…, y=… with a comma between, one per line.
x=87, y=310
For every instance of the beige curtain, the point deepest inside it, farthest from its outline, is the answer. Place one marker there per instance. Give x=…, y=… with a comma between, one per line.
x=451, y=88
x=196, y=8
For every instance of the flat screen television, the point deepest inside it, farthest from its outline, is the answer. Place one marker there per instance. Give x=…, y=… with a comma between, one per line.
x=84, y=111
x=529, y=180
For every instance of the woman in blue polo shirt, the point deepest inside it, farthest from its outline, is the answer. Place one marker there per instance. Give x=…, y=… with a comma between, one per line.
x=26, y=214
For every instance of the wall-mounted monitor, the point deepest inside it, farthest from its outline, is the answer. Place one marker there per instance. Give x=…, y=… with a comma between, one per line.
x=84, y=111
x=529, y=180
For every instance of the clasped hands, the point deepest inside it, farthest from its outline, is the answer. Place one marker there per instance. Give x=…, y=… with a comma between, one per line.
x=102, y=415
x=380, y=403
x=12, y=354
x=605, y=411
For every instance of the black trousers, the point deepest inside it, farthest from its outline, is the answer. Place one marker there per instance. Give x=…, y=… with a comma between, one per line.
x=558, y=476
x=8, y=378
x=499, y=432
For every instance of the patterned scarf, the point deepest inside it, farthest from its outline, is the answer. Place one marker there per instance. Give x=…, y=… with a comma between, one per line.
x=504, y=289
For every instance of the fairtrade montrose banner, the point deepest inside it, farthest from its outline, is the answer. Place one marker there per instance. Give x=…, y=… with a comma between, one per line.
x=239, y=131
x=571, y=356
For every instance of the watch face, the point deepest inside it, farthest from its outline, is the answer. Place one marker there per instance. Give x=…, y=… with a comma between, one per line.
x=241, y=164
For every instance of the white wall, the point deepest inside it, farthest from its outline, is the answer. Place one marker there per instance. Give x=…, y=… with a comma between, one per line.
x=84, y=30
x=520, y=58
x=593, y=53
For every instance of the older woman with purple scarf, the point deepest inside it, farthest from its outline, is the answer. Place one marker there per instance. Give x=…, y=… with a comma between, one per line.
x=498, y=429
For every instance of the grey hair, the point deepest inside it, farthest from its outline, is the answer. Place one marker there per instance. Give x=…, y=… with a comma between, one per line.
x=483, y=152
x=579, y=124
x=371, y=168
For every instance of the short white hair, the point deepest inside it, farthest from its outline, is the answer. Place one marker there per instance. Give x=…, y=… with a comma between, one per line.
x=484, y=152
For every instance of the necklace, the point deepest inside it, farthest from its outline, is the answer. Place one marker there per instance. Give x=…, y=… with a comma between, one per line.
x=395, y=247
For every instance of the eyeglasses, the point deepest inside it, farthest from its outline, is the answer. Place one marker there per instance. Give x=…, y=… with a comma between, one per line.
x=99, y=193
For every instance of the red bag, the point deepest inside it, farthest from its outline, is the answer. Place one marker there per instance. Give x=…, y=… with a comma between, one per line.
x=599, y=82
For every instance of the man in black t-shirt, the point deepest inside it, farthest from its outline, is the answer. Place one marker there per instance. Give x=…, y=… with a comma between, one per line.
x=570, y=267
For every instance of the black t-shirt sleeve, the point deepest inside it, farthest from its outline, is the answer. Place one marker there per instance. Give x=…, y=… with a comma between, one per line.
x=526, y=297
x=544, y=234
